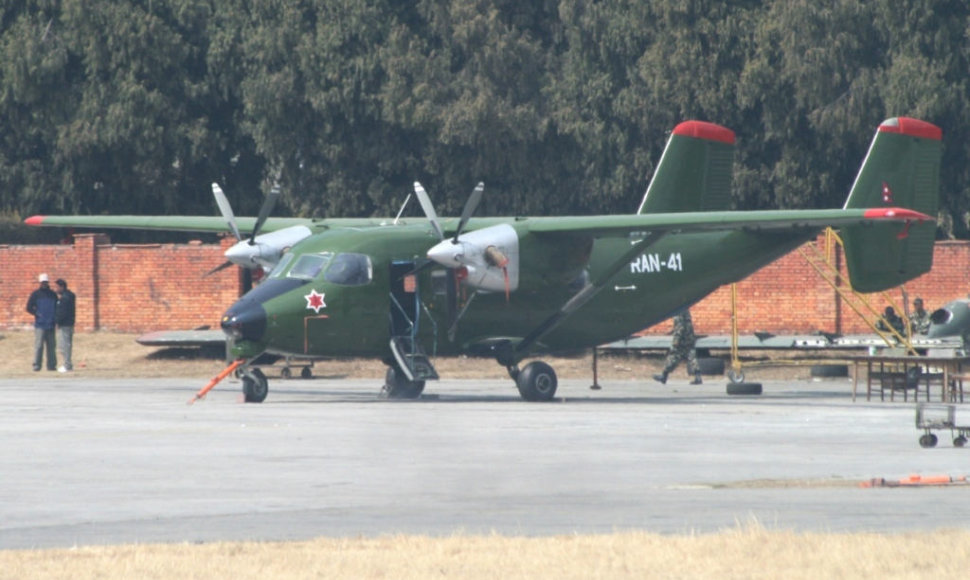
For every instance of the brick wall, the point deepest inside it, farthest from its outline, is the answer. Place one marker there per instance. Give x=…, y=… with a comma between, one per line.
x=129, y=288
x=140, y=288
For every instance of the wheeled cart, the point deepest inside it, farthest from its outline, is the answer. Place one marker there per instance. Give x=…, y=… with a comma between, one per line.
x=939, y=417
x=290, y=363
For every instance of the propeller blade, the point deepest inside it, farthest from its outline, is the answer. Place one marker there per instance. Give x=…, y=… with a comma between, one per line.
x=225, y=209
x=428, y=208
x=469, y=209
x=218, y=268
x=264, y=211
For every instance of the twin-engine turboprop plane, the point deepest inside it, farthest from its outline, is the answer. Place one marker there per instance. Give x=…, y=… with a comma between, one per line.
x=510, y=288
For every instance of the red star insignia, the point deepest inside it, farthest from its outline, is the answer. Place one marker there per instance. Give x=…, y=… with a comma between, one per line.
x=315, y=301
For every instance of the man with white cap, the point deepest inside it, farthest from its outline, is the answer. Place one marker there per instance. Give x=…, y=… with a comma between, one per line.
x=42, y=304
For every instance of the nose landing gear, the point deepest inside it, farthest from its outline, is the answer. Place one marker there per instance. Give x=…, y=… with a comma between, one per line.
x=255, y=385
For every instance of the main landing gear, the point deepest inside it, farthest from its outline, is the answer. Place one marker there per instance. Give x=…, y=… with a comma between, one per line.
x=536, y=381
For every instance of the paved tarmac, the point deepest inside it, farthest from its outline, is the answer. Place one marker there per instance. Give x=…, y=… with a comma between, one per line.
x=90, y=462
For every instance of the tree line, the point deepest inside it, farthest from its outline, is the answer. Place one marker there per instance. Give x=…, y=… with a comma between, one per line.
x=560, y=107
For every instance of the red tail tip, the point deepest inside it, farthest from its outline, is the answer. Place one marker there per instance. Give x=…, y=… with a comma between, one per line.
x=705, y=130
x=911, y=127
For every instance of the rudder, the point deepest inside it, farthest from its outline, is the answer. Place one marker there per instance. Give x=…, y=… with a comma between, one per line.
x=695, y=171
x=901, y=169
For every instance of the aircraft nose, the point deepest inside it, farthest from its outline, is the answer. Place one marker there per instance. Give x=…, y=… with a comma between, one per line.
x=245, y=321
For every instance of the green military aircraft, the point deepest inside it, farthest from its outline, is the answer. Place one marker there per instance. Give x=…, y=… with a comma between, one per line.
x=510, y=288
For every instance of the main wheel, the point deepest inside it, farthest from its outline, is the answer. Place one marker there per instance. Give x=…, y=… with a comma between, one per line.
x=255, y=386
x=397, y=386
x=744, y=388
x=537, y=382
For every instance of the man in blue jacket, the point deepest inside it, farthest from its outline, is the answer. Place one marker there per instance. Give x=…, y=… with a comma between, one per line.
x=42, y=304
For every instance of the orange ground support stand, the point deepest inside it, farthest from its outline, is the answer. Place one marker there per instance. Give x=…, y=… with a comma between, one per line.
x=215, y=381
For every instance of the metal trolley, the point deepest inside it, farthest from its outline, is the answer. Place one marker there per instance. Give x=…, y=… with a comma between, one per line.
x=939, y=417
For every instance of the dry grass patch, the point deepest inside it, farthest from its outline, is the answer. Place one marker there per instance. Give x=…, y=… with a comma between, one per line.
x=748, y=552
x=117, y=355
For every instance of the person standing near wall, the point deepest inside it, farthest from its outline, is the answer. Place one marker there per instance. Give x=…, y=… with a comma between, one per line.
x=64, y=317
x=43, y=304
x=919, y=319
x=682, y=347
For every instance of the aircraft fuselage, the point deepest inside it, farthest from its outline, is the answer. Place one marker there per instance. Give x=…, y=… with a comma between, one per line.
x=307, y=312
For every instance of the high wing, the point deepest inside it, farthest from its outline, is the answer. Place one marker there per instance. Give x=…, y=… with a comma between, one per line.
x=764, y=220
x=212, y=224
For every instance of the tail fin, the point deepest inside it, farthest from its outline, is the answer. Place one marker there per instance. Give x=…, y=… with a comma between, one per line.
x=902, y=169
x=695, y=171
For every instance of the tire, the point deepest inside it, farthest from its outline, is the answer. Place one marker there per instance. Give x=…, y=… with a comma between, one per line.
x=537, y=382
x=928, y=440
x=830, y=370
x=744, y=388
x=735, y=377
x=396, y=386
x=255, y=386
x=710, y=365
x=306, y=373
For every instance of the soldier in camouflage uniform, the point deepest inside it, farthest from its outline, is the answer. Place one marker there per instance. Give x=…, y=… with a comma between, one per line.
x=682, y=348
x=919, y=320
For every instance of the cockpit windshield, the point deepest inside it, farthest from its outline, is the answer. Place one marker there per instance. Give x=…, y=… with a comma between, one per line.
x=277, y=270
x=349, y=270
x=346, y=269
x=309, y=266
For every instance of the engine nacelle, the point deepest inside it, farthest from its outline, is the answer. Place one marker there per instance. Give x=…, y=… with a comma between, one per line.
x=489, y=255
x=950, y=320
x=266, y=249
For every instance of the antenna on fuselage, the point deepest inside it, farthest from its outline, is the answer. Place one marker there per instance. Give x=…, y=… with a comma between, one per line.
x=403, y=205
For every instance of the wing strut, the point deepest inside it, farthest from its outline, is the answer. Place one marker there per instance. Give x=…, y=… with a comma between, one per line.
x=591, y=289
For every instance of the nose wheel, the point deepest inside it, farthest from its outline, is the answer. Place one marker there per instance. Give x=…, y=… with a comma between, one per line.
x=255, y=385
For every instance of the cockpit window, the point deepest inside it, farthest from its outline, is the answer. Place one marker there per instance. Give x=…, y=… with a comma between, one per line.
x=349, y=270
x=281, y=265
x=308, y=266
